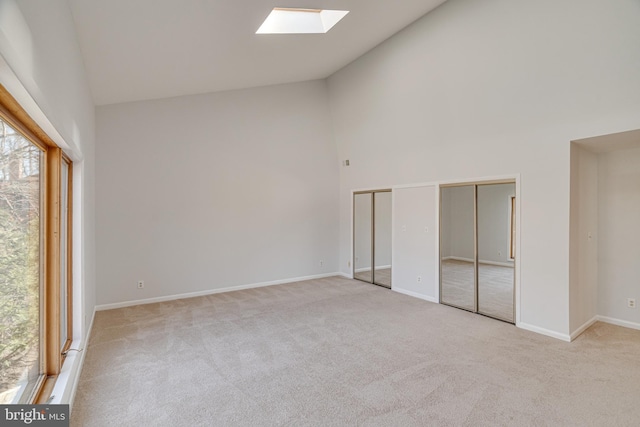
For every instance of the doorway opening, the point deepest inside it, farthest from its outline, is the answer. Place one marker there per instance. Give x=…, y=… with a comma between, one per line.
x=604, y=231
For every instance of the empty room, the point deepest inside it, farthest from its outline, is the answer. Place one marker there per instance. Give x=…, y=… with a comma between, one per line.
x=325, y=212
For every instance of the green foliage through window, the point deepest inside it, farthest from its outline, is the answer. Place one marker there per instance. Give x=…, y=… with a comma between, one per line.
x=20, y=225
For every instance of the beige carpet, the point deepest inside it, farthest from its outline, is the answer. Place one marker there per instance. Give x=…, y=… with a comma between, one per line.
x=495, y=290
x=342, y=352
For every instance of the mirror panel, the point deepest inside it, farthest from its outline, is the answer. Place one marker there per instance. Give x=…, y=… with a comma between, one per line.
x=457, y=246
x=382, y=239
x=362, y=236
x=496, y=267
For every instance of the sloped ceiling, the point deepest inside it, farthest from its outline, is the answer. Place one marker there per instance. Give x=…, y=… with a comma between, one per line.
x=148, y=49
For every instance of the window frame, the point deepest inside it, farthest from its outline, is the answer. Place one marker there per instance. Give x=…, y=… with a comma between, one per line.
x=69, y=257
x=51, y=355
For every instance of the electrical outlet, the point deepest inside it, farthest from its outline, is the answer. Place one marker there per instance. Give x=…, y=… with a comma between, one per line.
x=349, y=264
x=140, y=284
x=631, y=302
x=321, y=263
x=499, y=253
x=419, y=279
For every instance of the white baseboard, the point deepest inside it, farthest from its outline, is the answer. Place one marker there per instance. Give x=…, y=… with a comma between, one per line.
x=499, y=264
x=415, y=294
x=543, y=331
x=112, y=306
x=480, y=261
x=583, y=328
x=457, y=258
x=380, y=267
x=345, y=275
x=619, y=322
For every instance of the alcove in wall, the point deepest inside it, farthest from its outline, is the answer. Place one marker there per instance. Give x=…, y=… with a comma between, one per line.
x=604, y=252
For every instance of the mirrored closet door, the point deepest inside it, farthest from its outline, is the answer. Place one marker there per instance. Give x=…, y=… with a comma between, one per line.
x=496, y=255
x=362, y=236
x=477, y=248
x=457, y=247
x=382, y=238
x=372, y=237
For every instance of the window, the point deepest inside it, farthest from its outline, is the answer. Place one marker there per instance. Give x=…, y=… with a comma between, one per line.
x=283, y=20
x=35, y=256
x=20, y=262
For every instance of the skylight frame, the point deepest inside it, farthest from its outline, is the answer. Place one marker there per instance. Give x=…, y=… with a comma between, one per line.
x=285, y=20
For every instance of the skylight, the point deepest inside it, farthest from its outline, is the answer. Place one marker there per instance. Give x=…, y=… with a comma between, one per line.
x=300, y=21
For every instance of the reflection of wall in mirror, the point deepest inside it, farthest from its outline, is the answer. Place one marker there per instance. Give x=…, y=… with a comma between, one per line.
x=362, y=228
x=383, y=230
x=494, y=221
x=445, y=223
x=457, y=236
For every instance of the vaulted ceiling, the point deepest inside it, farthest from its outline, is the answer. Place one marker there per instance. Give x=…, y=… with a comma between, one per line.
x=148, y=49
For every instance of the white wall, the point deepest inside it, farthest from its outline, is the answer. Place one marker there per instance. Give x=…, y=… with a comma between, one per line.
x=481, y=88
x=415, y=242
x=42, y=68
x=618, y=208
x=584, y=234
x=213, y=191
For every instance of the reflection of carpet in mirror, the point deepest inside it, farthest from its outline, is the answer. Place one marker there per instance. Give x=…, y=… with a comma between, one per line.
x=383, y=276
x=363, y=275
x=495, y=290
